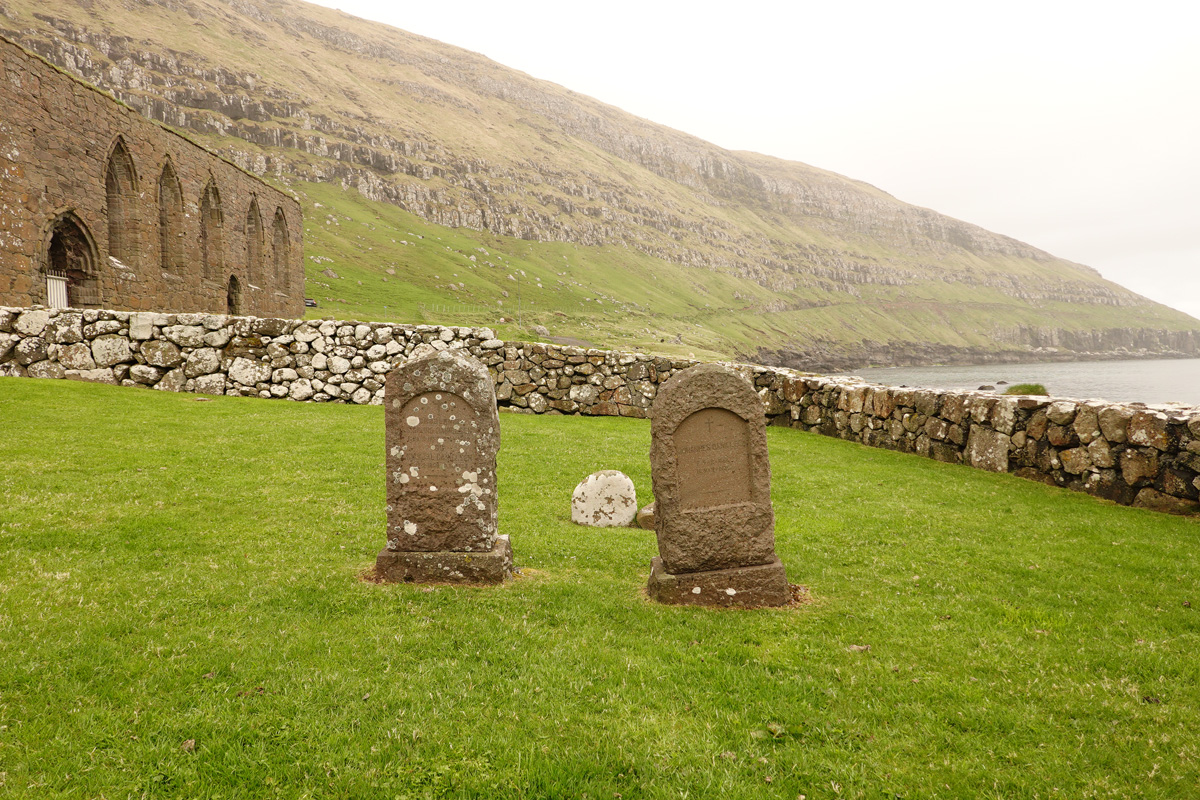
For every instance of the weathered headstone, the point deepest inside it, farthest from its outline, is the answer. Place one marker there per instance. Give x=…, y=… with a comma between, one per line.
x=442, y=433
x=712, y=490
x=645, y=518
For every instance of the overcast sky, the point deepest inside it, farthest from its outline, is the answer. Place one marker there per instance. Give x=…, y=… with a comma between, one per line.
x=1073, y=126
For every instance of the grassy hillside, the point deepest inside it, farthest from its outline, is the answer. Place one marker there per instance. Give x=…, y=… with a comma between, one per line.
x=734, y=252
x=391, y=265
x=173, y=630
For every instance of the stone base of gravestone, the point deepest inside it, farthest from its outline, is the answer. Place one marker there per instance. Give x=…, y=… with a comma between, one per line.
x=446, y=566
x=738, y=587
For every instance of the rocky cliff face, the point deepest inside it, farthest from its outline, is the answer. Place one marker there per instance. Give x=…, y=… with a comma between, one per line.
x=461, y=141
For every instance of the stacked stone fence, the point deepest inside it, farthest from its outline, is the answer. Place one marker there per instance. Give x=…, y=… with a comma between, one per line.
x=1129, y=453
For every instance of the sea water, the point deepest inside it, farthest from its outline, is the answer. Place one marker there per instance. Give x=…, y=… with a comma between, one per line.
x=1143, y=380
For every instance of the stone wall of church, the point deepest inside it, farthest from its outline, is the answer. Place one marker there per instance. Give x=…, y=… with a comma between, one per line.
x=111, y=210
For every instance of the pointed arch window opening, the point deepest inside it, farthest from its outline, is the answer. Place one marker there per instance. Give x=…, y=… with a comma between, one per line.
x=281, y=252
x=254, y=246
x=120, y=189
x=233, y=297
x=212, y=240
x=170, y=220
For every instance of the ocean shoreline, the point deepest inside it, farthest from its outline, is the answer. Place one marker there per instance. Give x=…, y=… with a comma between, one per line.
x=1152, y=381
x=823, y=360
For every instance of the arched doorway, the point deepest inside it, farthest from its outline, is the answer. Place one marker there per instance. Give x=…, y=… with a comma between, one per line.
x=233, y=297
x=72, y=280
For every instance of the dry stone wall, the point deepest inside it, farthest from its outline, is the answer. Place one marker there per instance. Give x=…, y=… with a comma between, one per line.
x=1129, y=453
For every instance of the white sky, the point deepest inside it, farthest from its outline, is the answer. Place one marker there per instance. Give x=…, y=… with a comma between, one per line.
x=1073, y=126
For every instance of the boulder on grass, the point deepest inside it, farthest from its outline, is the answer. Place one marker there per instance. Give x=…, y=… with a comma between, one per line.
x=605, y=499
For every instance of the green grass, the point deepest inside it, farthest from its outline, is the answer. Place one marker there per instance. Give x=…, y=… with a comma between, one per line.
x=1026, y=388
x=178, y=570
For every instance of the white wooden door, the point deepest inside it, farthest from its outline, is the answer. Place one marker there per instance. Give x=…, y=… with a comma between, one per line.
x=56, y=292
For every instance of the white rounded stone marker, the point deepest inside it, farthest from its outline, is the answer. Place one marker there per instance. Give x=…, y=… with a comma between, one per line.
x=604, y=499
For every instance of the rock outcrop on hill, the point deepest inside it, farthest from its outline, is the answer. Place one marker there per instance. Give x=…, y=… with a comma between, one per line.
x=296, y=91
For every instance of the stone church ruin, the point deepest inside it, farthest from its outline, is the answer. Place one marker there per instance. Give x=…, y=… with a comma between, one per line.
x=103, y=208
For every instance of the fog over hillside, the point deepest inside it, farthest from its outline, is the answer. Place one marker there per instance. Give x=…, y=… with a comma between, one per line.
x=1076, y=134
x=774, y=260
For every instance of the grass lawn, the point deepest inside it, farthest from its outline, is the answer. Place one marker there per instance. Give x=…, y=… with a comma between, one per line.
x=181, y=616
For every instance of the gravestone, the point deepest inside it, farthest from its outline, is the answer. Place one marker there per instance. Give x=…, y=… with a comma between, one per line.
x=441, y=433
x=712, y=494
x=604, y=499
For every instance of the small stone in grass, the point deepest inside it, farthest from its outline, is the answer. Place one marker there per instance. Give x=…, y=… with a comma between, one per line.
x=604, y=499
